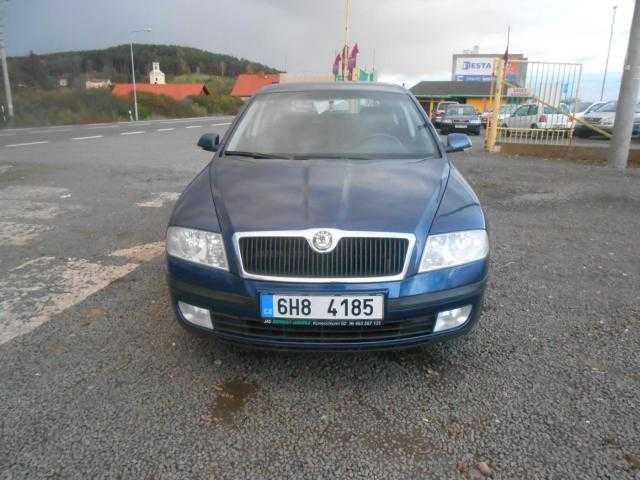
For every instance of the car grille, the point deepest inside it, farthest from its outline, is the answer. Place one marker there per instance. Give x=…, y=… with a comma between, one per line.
x=390, y=329
x=353, y=257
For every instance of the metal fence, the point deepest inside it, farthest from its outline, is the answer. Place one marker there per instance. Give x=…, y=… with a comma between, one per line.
x=535, y=103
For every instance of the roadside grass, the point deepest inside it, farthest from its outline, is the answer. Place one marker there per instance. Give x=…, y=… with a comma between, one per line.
x=216, y=84
x=34, y=107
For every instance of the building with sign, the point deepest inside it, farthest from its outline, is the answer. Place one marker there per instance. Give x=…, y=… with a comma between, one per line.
x=475, y=93
x=478, y=67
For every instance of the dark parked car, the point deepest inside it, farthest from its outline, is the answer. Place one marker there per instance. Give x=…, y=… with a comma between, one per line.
x=440, y=110
x=461, y=118
x=329, y=218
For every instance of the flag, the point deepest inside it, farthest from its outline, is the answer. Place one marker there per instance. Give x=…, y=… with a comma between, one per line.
x=506, y=51
x=336, y=65
x=352, y=60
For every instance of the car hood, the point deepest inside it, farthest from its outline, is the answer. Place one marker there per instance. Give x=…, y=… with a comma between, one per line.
x=600, y=115
x=374, y=195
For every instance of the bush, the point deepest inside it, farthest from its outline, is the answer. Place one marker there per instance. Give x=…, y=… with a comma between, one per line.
x=220, y=104
x=69, y=106
x=60, y=107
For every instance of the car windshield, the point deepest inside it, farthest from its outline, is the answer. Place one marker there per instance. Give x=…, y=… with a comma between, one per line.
x=461, y=110
x=582, y=106
x=444, y=105
x=332, y=124
x=608, y=107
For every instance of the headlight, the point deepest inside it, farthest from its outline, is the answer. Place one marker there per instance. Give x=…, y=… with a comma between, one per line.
x=445, y=120
x=456, y=248
x=197, y=246
x=475, y=120
x=607, y=121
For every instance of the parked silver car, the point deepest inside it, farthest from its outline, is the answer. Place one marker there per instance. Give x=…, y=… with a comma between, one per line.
x=537, y=116
x=604, y=118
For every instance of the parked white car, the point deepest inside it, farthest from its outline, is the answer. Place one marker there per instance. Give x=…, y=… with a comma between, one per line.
x=537, y=116
x=584, y=108
x=604, y=118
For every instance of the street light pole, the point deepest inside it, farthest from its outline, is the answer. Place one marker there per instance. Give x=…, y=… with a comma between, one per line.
x=3, y=57
x=606, y=64
x=133, y=70
x=625, y=110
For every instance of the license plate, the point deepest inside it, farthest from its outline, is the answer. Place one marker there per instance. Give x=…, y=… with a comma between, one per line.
x=460, y=126
x=321, y=307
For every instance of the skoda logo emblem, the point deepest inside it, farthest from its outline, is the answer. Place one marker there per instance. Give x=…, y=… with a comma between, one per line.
x=322, y=240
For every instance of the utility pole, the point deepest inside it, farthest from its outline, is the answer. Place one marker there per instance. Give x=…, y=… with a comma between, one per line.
x=625, y=111
x=133, y=70
x=4, y=5
x=606, y=64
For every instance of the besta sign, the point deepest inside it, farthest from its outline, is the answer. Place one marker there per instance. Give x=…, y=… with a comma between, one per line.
x=475, y=66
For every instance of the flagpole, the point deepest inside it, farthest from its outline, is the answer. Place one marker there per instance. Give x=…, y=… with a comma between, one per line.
x=345, y=50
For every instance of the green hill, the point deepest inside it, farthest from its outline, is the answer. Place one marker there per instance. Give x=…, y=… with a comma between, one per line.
x=38, y=99
x=43, y=71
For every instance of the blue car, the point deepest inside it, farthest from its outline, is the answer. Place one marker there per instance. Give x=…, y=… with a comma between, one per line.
x=329, y=218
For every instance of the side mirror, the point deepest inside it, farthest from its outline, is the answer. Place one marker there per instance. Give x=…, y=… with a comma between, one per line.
x=209, y=142
x=458, y=142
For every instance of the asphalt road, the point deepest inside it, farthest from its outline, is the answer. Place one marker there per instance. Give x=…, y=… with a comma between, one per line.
x=98, y=381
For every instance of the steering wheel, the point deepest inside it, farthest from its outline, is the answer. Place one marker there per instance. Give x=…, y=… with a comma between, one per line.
x=383, y=137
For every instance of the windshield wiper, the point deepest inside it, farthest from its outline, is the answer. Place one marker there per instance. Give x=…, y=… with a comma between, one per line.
x=240, y=153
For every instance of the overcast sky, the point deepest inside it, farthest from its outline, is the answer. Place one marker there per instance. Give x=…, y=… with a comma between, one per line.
x=412, y=39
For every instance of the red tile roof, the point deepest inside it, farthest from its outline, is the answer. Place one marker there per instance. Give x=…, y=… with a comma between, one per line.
x=249, y=83
x=177, y=91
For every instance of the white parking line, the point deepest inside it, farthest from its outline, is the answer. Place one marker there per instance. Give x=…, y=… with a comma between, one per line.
x=193, y=126
x=166, y=129
x=132, y=133
x=26, y=144
x=220, y=124
x=87, y=138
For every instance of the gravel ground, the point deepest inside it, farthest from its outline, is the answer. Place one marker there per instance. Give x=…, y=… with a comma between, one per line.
x=547, y=386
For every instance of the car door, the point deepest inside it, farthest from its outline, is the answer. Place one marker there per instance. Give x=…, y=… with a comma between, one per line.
x=516, y=119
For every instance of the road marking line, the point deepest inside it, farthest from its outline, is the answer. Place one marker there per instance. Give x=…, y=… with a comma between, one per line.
x=98, y=127
x=193, y=126
x=26, y=144
x=41, y=288
x=166, y=129
x=141, y=253
x=220, y=124
x=132, y=133
x=159, y=200
x=87, y=138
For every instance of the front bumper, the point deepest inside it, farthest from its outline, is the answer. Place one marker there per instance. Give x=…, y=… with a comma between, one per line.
x=411, y=307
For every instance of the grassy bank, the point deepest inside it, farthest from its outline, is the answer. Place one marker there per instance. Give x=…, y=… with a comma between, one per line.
x=35, y=107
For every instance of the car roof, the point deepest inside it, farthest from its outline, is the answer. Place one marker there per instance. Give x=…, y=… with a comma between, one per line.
x=332, y=86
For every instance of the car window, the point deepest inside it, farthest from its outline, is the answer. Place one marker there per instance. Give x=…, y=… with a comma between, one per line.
x=522, y=111
x=333, y=124
x=533, y=110
x=461, y=110
x=508, y=108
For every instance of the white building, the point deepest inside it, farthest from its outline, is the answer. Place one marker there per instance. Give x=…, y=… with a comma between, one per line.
x=156, y=77
x=93, y=83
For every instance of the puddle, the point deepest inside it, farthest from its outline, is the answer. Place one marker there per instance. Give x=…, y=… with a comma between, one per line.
x=231, y=397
